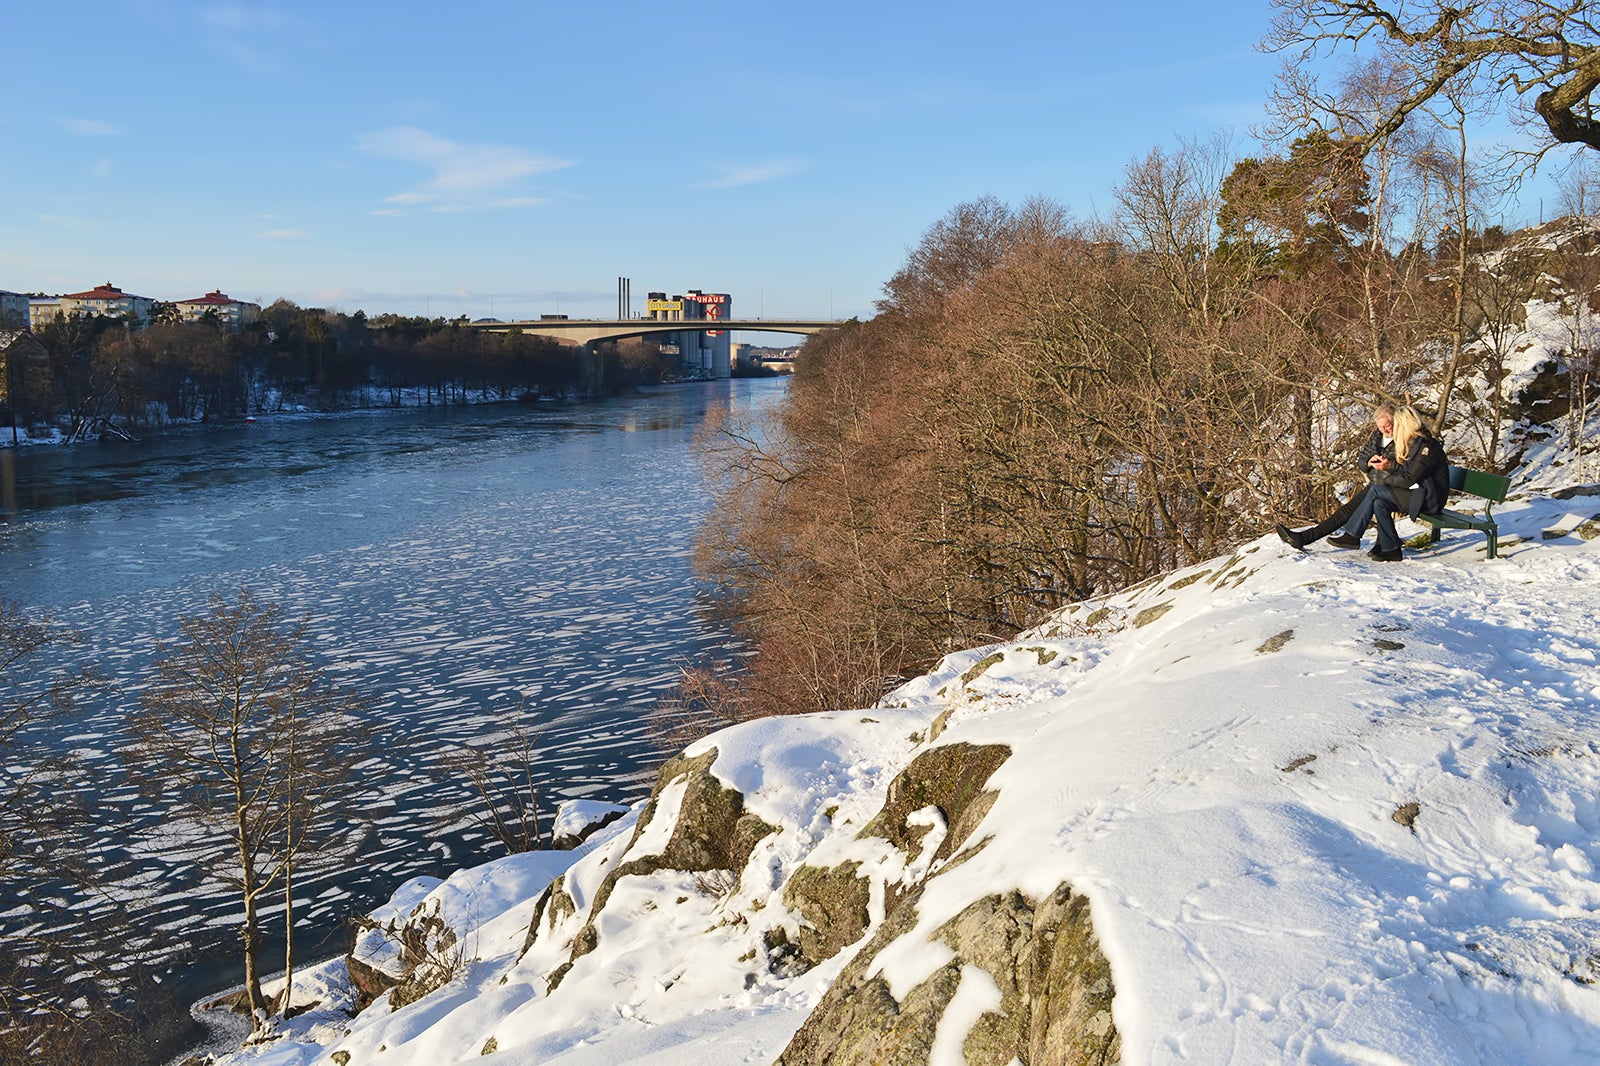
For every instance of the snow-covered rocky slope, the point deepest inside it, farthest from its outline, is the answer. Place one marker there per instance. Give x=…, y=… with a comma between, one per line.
x=1321, y=809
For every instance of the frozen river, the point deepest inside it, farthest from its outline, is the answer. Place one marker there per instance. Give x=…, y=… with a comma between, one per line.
x=456, y=563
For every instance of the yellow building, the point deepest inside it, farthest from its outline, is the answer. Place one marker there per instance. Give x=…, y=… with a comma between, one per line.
x=110, y=301
x=704, y=353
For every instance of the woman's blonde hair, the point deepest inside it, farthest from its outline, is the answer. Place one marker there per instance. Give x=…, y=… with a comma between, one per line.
x=1407, y=427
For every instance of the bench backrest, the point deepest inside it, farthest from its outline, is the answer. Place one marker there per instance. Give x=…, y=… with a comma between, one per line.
x=1477, y=483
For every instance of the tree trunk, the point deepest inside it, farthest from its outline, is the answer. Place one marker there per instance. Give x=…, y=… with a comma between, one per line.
x=288, y=940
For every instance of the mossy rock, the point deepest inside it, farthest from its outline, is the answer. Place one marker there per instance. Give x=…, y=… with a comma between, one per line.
x=552, y=907
x=420, y=982
x=951, y=778
x=1276, y=642
x=428, y=949
x=832, y=904
x=712, y=832
x=1054, y=982
x=981, y=667
x=940, y=724
x=1224, y=571
x=1150, y=614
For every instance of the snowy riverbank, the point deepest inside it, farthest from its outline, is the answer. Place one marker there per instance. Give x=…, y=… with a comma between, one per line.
x=1323, y=809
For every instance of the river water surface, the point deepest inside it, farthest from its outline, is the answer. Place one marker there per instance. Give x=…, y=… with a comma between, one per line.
x=454, y=563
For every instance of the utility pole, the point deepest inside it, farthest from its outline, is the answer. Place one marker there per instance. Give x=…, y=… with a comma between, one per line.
x=11, y=394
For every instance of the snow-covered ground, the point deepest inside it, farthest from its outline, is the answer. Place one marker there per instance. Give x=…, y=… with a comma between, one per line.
x=1324, y=810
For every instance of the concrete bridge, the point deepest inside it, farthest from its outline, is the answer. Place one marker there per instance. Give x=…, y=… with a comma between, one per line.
x=588, y=331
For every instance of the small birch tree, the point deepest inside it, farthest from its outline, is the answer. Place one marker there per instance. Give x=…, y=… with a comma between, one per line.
x=247, y=738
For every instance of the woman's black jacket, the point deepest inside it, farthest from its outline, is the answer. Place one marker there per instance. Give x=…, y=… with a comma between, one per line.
x=1428, y=469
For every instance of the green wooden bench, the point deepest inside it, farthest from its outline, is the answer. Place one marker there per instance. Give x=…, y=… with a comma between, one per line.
x=1488, y=487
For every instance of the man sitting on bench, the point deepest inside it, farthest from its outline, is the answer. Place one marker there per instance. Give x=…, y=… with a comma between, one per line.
x=1415, y=481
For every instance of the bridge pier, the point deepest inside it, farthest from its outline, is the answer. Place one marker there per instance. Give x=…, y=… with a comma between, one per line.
x=593, y=367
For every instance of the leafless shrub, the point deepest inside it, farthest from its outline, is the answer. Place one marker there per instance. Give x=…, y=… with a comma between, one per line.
x=500, y=773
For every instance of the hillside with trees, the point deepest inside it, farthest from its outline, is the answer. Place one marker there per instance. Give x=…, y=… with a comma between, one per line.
x=1049, y=408
x=87, y=372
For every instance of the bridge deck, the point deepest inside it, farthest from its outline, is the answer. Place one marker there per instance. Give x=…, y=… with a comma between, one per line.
x=589, y=330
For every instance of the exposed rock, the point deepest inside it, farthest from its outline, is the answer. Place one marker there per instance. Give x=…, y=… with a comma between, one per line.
x=832, y=904
x=1150, y=614
x=712, y=832
x=429, y=952
x=1055, y=988
x=577, y=821
x=1276, y=642
x=950, y=778
x=979, y=668
x=783, y=957
x=1406, y=815
x=369, y=981
x=426, y=958
x=1544, y=399
x=552, y=906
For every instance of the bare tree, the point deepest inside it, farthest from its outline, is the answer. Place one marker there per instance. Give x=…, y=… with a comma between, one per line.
x=1578, y=266
x=248, y=740
x=1499, y=285
x=72, y=989
x=1547, y=47
x=500, y=771
x=1455, y=173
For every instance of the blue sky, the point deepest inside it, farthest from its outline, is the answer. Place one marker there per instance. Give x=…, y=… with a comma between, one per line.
x=516, y=158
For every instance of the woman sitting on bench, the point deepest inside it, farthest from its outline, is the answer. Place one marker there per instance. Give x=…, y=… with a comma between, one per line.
x=1416, y=481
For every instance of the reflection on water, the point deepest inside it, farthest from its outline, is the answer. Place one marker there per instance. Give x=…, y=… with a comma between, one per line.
x=455, y=563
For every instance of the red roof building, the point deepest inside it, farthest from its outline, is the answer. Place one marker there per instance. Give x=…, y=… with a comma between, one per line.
x=232, y=314
x=110, y=301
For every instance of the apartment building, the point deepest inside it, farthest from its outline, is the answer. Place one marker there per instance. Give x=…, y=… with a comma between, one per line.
x=231, y=314
x=13, y=310
x=110, y=301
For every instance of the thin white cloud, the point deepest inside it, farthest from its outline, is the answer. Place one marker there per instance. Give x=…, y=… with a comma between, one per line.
x=256, y=38
x=466, y=177
x=282, y=235
x=90, y=127
x=733, y=177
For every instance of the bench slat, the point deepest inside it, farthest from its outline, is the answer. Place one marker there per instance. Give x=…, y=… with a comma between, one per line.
x=1491, y=488
x=1457, y=520
x=1477, y=483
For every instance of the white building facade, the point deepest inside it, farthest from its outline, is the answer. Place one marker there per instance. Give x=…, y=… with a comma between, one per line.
x=232, y=315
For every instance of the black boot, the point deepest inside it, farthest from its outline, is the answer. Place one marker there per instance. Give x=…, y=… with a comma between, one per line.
x=1290, y=537
x=1334, y=521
